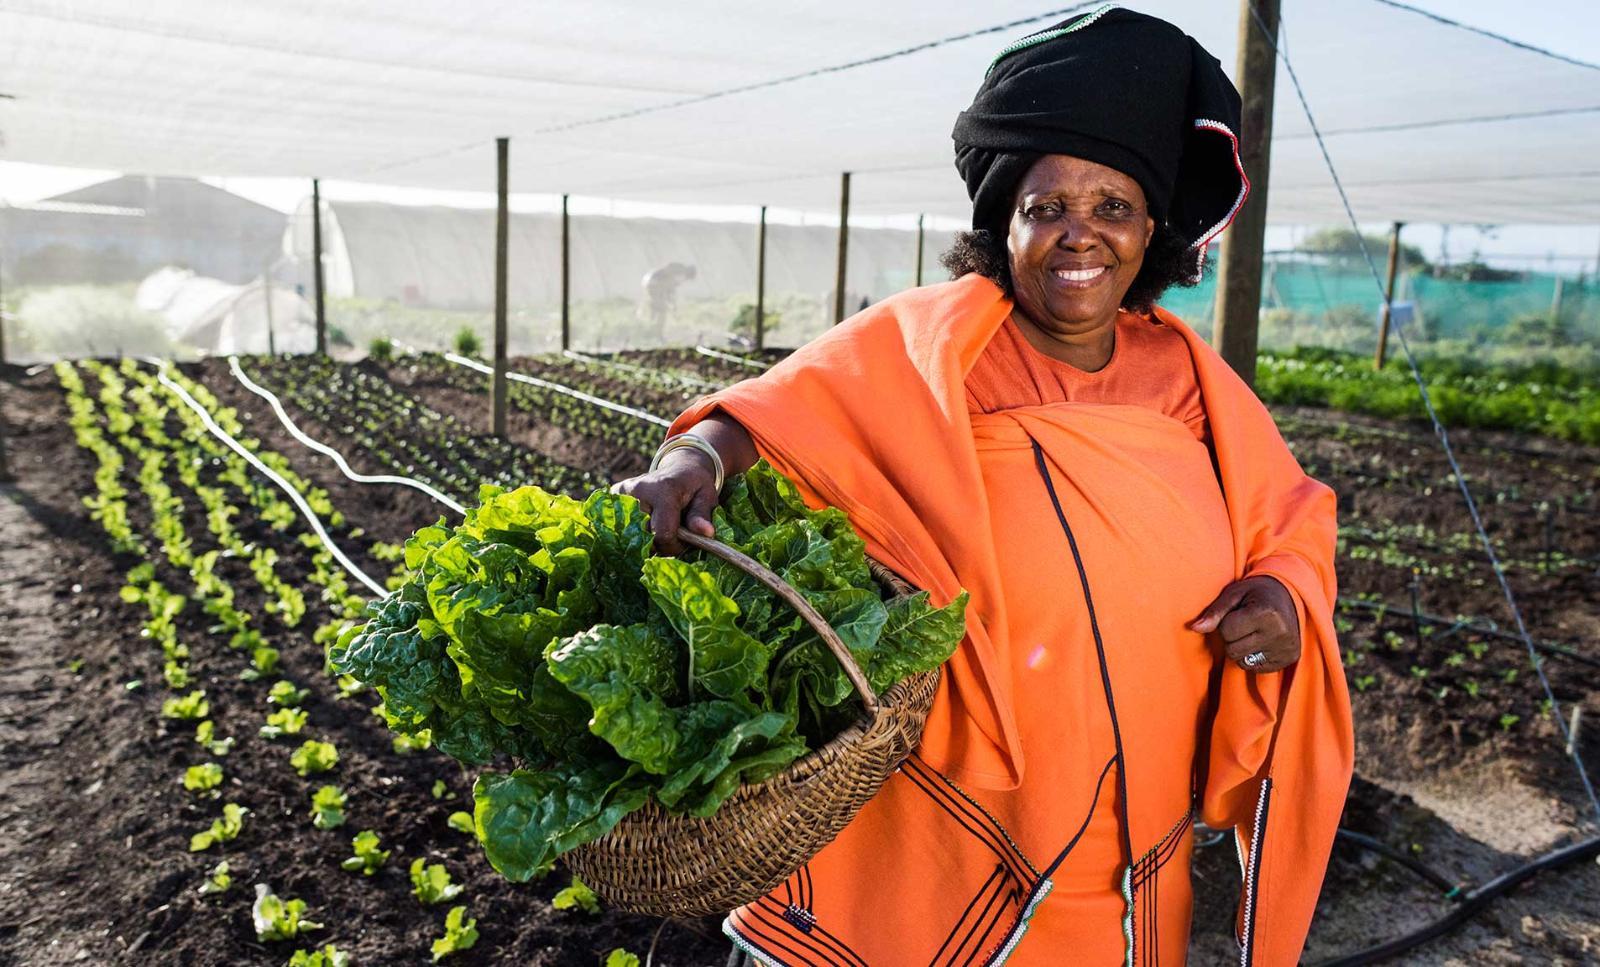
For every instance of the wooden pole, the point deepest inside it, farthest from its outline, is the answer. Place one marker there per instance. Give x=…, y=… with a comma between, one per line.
x=502, y=222
x=566, y=277
x=921, y=239
x=1388, y=296
x=316, y=265
x=761, y=281
x=844, y=247
x=1239, y=276
x=5, y=468
x=266, y=287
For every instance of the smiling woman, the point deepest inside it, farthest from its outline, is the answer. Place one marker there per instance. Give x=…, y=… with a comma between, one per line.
x=1149, y=568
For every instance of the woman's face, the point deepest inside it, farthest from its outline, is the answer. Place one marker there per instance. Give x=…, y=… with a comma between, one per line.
x=1077, y=239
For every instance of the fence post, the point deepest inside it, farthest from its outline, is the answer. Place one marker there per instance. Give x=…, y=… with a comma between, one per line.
x=1238, y=303
x=502, y=218
x=266, y=285
x=566, y=276
x=844, y=245
x=920, y=241
x=316, y=265
x=761, y=281
x=1388, y=295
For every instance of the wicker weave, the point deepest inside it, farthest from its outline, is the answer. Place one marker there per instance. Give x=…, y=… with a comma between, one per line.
x=665, y=865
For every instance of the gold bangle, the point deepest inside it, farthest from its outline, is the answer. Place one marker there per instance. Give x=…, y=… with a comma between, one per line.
x=692, y=441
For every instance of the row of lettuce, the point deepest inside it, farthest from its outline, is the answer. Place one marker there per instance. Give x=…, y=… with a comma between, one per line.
x=150, y=448
x=1543, y=398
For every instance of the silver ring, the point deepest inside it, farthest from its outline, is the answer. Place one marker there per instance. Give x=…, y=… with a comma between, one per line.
x=1254, y=658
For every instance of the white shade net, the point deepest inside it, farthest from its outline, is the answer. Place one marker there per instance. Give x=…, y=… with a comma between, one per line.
x=753, y=104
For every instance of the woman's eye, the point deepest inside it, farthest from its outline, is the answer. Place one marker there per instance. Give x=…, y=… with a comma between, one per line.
x=1041, y=212
x=1113, y=208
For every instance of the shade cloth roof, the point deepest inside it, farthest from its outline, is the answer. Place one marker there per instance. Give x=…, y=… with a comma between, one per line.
x=706, y=102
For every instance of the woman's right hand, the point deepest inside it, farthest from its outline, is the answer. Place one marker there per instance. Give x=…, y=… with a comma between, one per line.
x=682, y=491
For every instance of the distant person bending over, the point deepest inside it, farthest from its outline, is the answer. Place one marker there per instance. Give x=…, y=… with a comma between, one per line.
x=661, y=292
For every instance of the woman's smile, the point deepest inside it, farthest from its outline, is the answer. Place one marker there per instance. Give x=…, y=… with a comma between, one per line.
x=1084, y=278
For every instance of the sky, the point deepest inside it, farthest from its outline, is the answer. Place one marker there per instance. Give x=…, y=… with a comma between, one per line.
x=1567, y=27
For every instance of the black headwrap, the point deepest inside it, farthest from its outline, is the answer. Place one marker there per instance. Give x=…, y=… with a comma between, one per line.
x=1119, y=88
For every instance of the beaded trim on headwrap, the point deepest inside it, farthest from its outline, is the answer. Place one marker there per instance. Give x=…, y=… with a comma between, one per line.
x=1050, y=34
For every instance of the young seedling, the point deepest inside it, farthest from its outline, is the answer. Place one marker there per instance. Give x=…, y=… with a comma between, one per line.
x=278, y=919
x=204, y=779
x=1508, y=720
x=430, y=882
x=284, y=694
x=368, y=858
x=1364, y=682
x=1471, y=687
x=192, y=706
x=460, y=933
x=313, y=757
x=620, y=958
x=442, y=791
x=328, y=956
x=327, y=807
x=285, y=721
x=461, y=822
x=578, y=896
x=263, y=662
x=206, y=735
x=223, y=830
x=407, y=744
x=218, y=882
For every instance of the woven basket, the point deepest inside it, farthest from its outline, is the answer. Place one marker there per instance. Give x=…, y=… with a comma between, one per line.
x=666, y=865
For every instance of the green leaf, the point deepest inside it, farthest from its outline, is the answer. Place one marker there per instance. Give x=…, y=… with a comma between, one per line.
x=313, y=757
x=577, y=896
x=525, y=819
x=723, y=660
x=460, y=933
x=430, y=882
x=621, y=958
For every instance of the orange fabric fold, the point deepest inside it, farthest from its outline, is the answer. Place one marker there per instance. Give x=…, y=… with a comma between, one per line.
x=873, y=417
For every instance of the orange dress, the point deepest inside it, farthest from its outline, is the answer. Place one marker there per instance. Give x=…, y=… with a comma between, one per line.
x=1046, y=818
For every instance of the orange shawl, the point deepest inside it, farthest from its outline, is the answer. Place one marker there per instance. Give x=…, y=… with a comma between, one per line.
x=872, y=418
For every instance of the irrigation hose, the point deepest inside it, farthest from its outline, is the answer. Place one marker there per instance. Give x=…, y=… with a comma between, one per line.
x=1470, y=904
x=272, y=475
x=1372, y=844
x=558, y=388
x=330, y=452
x=730, y=357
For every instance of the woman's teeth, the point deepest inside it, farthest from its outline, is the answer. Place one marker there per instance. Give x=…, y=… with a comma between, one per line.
x=1080, y=275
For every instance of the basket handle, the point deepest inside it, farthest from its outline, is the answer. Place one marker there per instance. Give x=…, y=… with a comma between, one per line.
x=780, y=587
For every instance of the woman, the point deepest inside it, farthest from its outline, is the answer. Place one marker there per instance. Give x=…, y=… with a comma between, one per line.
x=1149, y=632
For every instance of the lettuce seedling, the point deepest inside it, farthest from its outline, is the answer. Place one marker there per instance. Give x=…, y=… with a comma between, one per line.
x=430, y=882
x=223, y=830
x=461, y=822
x=314, y=757
x=284, y=694
x=190, y=706
x=218, y=882
x=460, y=933
x=621, y=958
x=368, y=858
x=206, y=735
x=442, y=791
x=327, y=807
x=204, y=779
x=285, y=721
x=278, y=919
x=328, y=956
x=578, y=896
x=263, y=662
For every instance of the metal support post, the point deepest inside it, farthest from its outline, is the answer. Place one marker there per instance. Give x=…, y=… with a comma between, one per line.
x=502, y=220
x=921, y=240
x=1239, y=277
x=844, y=247
x=761, y=281
x=566, y=276
x=316, y=265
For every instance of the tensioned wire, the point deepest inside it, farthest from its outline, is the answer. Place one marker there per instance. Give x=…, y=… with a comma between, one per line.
x=1427, y=401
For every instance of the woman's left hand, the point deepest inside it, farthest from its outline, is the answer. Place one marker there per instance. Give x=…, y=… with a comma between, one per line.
x=1253, y=615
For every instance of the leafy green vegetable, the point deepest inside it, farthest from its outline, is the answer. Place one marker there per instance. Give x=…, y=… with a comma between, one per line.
x=368, y=858
x=460, y=933
x=578, y=896
x=621, y=958
x=313, y=757
x=206, y=735
x=190, y=706
x=218, y=882
x=328, y=956
x=430, y=882
x=327, y=807
x=204, y=778
x=284, y=694
x=278, y=919
x=223, y=830
x=461, y=822
x=284, y=721
x=540, y=628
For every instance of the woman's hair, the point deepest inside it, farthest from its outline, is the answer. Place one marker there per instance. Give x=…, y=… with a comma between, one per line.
x=1168, y=262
